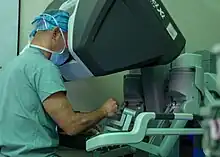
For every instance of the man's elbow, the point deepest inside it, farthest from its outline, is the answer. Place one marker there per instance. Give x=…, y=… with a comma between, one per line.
x=70, y=131
x=76, y=128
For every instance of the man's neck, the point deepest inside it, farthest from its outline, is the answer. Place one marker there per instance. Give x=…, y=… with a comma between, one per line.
x=38, y=42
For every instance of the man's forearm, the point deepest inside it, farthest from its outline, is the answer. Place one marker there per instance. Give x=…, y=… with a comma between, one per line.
x=61, y=111
x=82, y=121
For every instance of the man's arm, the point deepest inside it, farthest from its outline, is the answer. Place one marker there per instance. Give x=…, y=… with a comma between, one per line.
x=59, y=108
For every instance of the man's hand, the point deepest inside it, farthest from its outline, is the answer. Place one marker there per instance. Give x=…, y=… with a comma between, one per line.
x=110, y=107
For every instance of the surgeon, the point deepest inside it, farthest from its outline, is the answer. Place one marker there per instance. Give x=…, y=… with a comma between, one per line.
x=33, y=98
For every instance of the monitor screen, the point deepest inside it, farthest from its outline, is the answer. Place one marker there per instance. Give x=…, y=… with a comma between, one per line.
x=110, y=36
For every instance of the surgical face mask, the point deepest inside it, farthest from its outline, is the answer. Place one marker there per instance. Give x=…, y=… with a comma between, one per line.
x=59, y=59
x=56, y=58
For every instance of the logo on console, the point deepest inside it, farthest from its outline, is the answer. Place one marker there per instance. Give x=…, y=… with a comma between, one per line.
x=158, y=8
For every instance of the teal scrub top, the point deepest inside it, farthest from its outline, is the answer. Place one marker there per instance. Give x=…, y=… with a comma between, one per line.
x=26, y=130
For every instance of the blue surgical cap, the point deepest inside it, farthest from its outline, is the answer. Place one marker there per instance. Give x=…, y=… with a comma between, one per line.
x=45, y=22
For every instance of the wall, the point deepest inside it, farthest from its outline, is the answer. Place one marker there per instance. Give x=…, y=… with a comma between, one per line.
x=198, y=21
x=8, y=31
x=29, y=9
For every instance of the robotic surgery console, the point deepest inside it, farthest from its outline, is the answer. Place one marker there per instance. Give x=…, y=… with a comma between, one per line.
x=164, y=88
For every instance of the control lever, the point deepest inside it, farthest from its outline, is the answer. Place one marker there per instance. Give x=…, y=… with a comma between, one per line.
x=123, y=137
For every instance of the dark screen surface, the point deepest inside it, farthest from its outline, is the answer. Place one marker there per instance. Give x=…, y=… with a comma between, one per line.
x=116, y=35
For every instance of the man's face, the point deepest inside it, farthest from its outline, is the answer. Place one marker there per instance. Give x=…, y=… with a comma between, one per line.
x=66, y=38
x=62, y=43
x=59, y=43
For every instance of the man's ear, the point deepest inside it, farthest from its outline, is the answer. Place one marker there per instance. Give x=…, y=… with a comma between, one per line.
x=56, y=33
